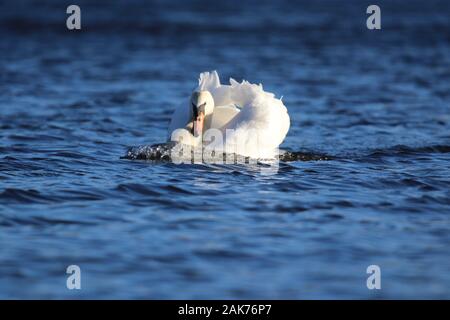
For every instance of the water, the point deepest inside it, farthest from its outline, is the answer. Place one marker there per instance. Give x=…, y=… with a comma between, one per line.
x=375, y=103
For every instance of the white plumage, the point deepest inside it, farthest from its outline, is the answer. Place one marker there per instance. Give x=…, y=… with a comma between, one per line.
x=253, y=122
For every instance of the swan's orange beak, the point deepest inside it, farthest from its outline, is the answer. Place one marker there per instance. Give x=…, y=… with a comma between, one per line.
x=198, y=124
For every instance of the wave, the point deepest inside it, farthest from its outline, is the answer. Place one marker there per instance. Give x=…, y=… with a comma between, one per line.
x=400, y=150
x=162, y=153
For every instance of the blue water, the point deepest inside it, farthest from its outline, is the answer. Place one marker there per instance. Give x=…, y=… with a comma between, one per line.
x=376, y=103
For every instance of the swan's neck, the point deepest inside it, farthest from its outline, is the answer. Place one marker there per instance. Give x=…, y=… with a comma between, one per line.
x=208, y=119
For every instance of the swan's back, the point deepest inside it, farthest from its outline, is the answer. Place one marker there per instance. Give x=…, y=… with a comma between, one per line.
x=260, y=126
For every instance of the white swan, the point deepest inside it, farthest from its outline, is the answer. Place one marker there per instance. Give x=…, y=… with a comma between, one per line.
x=250, y=121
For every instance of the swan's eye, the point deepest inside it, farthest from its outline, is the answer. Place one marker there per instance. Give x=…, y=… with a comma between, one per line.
x=194, y=110
x=201, y=108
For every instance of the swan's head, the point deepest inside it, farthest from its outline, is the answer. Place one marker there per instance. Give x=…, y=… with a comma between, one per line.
x=202, y=105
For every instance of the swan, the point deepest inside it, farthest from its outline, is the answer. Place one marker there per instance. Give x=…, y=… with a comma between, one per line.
x=243, y=118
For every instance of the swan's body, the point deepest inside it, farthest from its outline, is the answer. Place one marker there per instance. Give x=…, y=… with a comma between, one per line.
x=252, y=122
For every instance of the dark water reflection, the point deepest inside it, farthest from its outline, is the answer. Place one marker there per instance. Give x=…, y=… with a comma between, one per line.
x=376, y=102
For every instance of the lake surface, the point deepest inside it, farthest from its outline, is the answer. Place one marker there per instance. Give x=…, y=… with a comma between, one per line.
x=376, y=102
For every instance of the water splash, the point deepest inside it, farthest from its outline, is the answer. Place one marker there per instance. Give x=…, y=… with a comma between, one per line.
x=156, y=152
x=162, y=152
